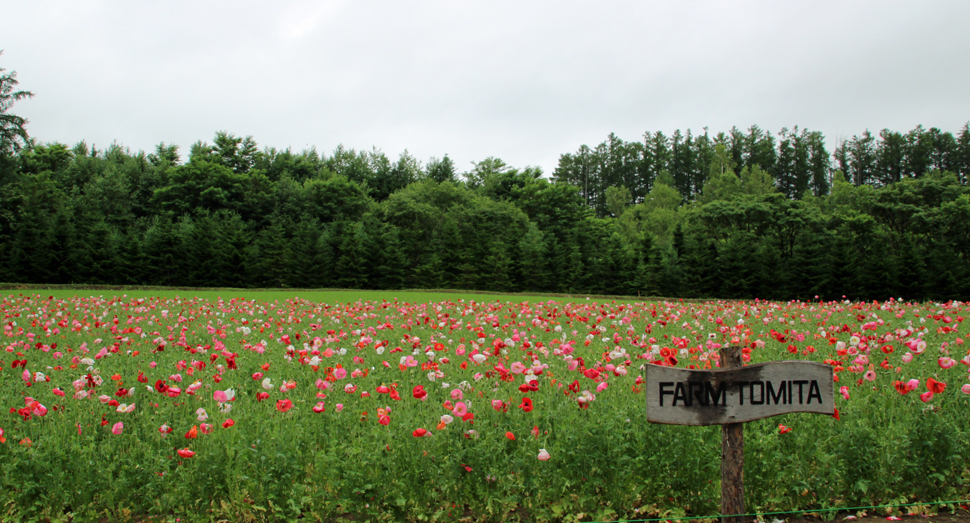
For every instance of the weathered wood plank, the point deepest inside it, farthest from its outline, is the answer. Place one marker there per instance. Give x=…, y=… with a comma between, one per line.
x=732, y=453
x=717, y=397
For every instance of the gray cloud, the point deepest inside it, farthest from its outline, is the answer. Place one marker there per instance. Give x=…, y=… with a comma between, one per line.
x=522, y=81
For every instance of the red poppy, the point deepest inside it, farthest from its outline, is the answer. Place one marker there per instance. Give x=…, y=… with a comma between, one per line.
x=419, y=392
x=192, y=433
x=284, y=405
x=260, y=396
x=384, y=420
x=901, y=387
x=468, y=416
x=418, y=433
x=526, y=405
x=228, y=423
x=510, y=436
x=185, y=453
x=160, y=386
x=794, y=350
x=783, y=429
x=591, y=373
x=528, y=387
x=888, y=349
x=935, y=386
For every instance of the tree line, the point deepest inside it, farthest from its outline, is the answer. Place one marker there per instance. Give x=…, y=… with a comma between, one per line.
x=739, y=214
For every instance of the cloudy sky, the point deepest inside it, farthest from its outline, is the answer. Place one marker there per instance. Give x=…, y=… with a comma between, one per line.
x=520, y=80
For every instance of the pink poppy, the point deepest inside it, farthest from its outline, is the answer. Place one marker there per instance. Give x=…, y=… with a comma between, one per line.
x=224, y=396
x=460, y=409
x=117, y=428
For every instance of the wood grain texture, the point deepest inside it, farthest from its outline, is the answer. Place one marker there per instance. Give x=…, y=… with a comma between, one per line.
x=736, y=395
x=732, y=452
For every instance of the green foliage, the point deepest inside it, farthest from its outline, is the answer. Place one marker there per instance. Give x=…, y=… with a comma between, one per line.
x=13, y=132
x=737, y=214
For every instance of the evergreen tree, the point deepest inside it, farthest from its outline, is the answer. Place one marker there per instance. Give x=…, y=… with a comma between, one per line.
x=349, y=269
x=531, y=260
x=391, y=264
x=302, y=271
x=266, y=259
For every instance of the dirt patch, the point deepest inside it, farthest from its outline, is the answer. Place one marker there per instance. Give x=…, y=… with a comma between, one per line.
x=960, y=516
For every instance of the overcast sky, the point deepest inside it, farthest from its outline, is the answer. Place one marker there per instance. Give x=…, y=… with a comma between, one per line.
x=523, y=81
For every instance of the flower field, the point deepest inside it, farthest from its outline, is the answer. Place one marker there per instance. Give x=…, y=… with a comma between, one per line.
x=457, y=410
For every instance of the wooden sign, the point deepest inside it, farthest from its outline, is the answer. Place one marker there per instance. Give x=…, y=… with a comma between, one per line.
x=729, y=397
x=718, y=397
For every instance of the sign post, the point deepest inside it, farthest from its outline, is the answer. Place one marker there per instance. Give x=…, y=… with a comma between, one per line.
x=731, y=396
x=732, y=452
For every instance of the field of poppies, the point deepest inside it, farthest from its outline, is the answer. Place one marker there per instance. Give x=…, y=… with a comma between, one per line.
x=195, y=409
